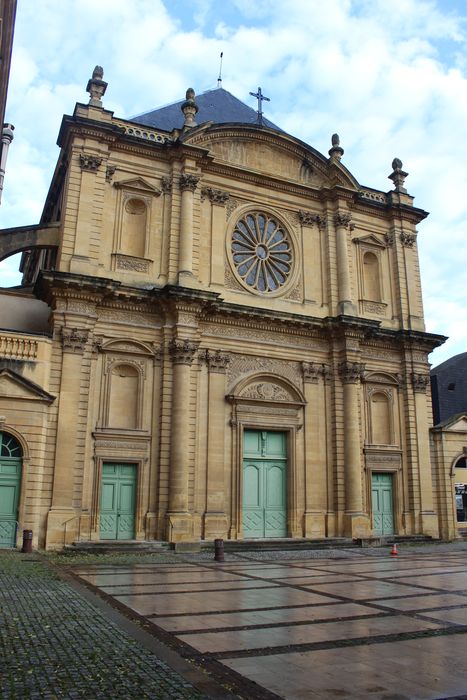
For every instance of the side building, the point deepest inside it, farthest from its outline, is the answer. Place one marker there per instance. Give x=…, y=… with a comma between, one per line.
x=220, y=333
x=449, y=434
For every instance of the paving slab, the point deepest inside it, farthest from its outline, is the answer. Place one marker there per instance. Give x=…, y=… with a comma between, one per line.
x=361, y=627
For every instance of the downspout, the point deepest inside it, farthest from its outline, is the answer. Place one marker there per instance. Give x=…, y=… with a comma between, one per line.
x=7, y=138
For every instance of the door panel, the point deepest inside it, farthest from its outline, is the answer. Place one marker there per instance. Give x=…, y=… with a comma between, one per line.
x=117, y=517
x=10, y=486
x=382, y=504
x=264, y=484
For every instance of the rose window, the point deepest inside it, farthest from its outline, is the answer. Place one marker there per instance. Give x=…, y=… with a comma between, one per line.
x=261, y=252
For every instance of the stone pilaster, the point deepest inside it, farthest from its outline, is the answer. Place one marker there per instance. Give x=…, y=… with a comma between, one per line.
x=345, y=303
x=428, y=518
x=182, y=352
x=356, y=521
x=218, y=199
x=188, y=183
x=74, y=341
x=215, y=519
x=315, y=450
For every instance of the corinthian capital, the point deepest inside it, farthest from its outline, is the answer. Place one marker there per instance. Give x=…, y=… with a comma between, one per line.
x=215, y=196
x=188, y=182
x=342, y=219
x=351, y=372
x=420, y=382
x=216, y=360
x=74, y=339
x=182, y=352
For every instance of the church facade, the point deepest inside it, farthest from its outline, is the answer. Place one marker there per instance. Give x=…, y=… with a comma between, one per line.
x=220, y=333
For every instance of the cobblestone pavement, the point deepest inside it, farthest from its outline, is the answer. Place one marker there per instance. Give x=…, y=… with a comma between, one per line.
x=348, y=624
x=57, y=644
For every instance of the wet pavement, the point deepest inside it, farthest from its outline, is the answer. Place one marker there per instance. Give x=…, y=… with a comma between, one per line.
x=359, y=627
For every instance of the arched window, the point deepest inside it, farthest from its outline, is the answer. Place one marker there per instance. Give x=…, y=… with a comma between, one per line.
x=123, y=399
x=9, y=446
x=380, y=419
x=134, y=227
x=371, y=280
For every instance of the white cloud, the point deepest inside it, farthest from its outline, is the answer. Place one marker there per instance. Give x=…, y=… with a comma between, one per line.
x=391, y=81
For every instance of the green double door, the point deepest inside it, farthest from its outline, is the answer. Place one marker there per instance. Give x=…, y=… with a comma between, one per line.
x=10, y=485
x=118, y=498
x=382, y=504
x=264, y=484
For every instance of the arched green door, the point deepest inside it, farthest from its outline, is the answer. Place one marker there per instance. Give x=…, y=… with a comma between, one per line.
x=10, y=485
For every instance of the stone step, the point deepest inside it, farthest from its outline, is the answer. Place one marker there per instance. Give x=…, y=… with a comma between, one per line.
x=281, y=544
x=108, y=546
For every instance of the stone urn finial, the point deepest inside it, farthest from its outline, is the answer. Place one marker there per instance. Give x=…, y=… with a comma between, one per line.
x=96, y=87
x=189, y=108
x=336, y=151
x=398, y=176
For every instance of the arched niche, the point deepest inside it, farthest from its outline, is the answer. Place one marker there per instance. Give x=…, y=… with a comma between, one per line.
x=124, y=391
x=371, y=276
x=381, y=408
x=134, y=225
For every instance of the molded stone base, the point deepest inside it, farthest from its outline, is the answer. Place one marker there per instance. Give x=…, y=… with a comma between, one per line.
x=215, y=526
x=357, y=525
x=315, y=524
x=179, y=527
x=56, y=535
x=430, y=524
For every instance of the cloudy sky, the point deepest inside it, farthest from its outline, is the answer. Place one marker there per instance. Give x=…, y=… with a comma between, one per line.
x=390, y=78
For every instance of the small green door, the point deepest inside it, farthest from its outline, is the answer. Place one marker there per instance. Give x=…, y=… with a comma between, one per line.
x=264, y=484
x=10, y=485
x=117, y=517
x=382, y=502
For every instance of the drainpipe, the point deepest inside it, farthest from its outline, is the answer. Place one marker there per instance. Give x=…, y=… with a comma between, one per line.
x=7, y=138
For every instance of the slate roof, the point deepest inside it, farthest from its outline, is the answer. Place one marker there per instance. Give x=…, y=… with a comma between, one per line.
x=218, y=106
x=449, y=388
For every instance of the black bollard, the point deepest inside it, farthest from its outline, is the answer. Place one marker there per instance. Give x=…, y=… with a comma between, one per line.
x=27, y=542
x=218, y=550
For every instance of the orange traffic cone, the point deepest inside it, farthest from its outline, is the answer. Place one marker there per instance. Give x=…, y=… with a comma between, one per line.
x=394, y=550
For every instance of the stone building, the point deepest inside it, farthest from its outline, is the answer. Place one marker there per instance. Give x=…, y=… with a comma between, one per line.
x=220, y=333
x=449, y=434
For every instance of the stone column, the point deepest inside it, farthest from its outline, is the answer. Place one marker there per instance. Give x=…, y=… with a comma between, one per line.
x=428, y=518
x=188, y=184
x=62, y=510
x=356, y=522
x=182, y=352
x=215, y=519
x=315, y=451
x=345, y=304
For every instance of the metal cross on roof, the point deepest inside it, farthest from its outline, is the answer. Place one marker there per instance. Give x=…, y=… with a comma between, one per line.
x=260, y=97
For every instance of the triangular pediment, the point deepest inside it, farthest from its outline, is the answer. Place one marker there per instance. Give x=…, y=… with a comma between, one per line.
x=138, y=184
x=457, y=425
x=370, y=240
x=14, y=386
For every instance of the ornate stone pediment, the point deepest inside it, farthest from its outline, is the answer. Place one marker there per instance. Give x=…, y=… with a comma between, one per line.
x=281, y=157
x=265, y=391
x=137, y=184
x=266, y=388
x=14, y=386
x=126, y=346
